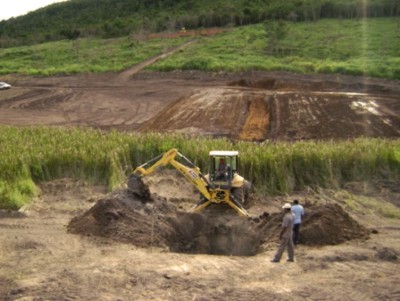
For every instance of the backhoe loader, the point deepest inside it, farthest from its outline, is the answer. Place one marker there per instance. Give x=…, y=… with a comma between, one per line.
x=222, y=185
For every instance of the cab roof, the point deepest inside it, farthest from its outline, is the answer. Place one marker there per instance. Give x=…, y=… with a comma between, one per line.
x=216, y=153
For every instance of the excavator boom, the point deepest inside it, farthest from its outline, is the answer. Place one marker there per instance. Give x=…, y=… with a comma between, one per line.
x=189, y=171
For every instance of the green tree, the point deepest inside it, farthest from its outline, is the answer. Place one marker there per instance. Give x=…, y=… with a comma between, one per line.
x=275, y=32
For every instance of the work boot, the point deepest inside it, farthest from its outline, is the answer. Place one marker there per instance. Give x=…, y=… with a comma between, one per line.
x=290, y=260
x=274, y=260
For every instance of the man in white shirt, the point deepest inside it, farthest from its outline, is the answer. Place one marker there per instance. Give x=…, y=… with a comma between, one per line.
x=298, y=212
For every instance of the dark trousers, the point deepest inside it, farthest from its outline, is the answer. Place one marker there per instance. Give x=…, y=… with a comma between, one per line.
x=296, y=231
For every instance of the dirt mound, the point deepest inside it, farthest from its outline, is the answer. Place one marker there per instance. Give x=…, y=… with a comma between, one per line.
x=124, y=217
x=329, y=224
x=155, y=222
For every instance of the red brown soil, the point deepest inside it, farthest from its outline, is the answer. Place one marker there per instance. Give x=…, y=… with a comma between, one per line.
x=250, y=106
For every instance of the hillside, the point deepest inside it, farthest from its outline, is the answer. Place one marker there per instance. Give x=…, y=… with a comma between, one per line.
x=367, y=47
x=108, y=18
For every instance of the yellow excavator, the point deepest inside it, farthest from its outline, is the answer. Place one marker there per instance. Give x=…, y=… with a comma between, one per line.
x=222, y=185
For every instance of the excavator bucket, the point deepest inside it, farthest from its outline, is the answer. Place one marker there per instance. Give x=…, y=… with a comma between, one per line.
x=138, y=187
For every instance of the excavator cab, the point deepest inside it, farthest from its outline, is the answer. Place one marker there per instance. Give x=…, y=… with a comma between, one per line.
x=223, y=166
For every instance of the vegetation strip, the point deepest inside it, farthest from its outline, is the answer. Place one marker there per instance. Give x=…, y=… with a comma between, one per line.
x=34, y=154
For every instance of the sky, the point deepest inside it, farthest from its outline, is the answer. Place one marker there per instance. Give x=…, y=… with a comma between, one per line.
x=15, y=8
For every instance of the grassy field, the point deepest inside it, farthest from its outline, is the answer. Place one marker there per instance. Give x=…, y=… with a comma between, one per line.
x=81, y=56
x=357, y=47
x=34, y=154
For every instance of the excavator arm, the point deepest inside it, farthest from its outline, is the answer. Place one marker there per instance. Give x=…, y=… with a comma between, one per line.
x=189, y=171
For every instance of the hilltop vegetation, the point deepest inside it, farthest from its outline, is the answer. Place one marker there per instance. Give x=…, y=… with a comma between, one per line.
x=108, y=18
x=358, y=47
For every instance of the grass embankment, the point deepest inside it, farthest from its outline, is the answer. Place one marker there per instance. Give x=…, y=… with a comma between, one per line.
x=368, y=47
x=82, y=56
x=35, y=154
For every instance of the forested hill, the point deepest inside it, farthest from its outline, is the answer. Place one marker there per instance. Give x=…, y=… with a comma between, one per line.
x=112, y=18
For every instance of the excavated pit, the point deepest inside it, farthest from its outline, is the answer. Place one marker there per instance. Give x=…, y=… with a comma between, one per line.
x=154, y=222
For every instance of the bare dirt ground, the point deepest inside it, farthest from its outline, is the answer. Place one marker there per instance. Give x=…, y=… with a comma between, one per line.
x=76, y=242
x=249, y=106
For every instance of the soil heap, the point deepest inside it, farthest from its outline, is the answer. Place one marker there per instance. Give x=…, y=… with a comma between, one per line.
x=149, y=222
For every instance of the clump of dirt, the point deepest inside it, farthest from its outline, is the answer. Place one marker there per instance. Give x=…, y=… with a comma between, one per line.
x=387, y=254
x=125, y=217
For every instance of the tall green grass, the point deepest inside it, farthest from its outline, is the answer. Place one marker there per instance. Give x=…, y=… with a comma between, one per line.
x=34, y=154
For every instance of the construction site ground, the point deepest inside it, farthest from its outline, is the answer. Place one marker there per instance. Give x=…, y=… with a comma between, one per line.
x=78, y=242
x=251, y=106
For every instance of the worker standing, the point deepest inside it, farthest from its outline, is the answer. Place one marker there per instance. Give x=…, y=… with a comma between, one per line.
x=298, y=212
x=286, y=235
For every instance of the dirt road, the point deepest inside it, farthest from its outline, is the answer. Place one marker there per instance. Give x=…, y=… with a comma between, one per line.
x=40, y=260
x=249, y=106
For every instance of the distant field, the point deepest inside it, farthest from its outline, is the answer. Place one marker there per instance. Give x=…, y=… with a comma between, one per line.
x=357, y=47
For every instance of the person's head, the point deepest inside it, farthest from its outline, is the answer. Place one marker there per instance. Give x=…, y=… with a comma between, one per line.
x=295, y=202
x=287, y=207
x=221, y=161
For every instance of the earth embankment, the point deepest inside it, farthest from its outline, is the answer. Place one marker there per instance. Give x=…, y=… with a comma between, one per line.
x=251, y=106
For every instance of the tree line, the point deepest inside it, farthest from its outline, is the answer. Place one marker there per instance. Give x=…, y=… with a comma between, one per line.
x=109, y=18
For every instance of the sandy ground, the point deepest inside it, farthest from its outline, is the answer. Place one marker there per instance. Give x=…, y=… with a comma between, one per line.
x=40, y=260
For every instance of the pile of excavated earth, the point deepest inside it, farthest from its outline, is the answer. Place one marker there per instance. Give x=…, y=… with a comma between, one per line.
x=154, y=221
